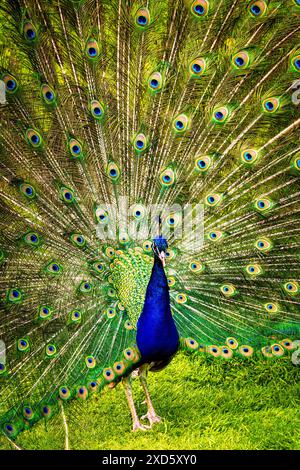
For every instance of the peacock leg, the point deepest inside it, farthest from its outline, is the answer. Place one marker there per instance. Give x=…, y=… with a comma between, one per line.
x=151, y=413
x=128, y=392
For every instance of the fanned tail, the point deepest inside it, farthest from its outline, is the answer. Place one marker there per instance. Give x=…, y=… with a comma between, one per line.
x=168, y=103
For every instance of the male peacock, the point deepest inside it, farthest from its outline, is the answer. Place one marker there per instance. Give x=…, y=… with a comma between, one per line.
x=167, y=103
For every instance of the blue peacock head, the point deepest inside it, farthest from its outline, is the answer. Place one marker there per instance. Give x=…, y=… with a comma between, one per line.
x=159, y=247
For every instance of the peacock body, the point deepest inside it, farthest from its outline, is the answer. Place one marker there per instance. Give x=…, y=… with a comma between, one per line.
x=167, y=104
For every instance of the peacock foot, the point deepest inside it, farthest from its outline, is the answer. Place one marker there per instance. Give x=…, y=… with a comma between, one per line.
x=152, y=418
x=137, y=426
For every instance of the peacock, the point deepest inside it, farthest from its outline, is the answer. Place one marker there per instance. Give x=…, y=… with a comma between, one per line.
x=149, y=194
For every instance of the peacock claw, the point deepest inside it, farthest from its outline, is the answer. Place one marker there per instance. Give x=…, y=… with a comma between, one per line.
x=152, y=418
x=137, y=426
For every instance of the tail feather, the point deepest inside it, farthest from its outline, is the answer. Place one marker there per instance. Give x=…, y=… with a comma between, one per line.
x=170, y=104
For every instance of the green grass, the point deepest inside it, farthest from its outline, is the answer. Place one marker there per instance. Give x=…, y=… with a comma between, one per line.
x=205, y=405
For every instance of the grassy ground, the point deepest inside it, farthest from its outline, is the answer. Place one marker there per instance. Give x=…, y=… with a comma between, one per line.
x=205, y=405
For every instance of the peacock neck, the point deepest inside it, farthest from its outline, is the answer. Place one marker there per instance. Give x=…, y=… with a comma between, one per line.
x=158, y=283
x=157, y=299
x=157, y=336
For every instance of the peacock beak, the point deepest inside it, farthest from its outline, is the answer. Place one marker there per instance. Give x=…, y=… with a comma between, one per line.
x=162, y=257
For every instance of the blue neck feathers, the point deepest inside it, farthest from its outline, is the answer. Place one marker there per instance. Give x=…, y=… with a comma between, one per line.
x=157, y=336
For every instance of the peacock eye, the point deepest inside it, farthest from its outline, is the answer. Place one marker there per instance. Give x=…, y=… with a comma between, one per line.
x=220, y=115
x=23, y=345
x=138, y=211
x=147, y=246
x=263, y=204
x=215, y=235
x=140, y=143
x=67, y=195
x=92, y=49
x=96, y=109
x=129, y=354
x=263, y=244
x=90, y=362
x=181, y=123
x=110, y=252
x=85, y=287
x=97, y=266
x=75, y=316
x=203, y=163
x=27, y=412
x=296, y=63
x=75, y=148
x=291, y=288
x=249, y=156
x=181, y=298
x=44, y=312
x=14, y=295
x=155, y=82
x=9, y=429
x=232, y=343
x=108, y=374
x=271, y=105
x=228, y=290
x=257, y=8
x=167, y=177
x=196, y=266
x=77, y=240
x=11, y=84
x=64, y=392
x=113, y=171
x=191, y=343
x=173, y=220
x=171, y=281
x=32, y=239
x=29, y=31
x=271, y=307
x=200, y=8
x=197, y=67
x=119, y=367
x=54, y=268
x=34, y=138
x=27, y=190
x=253, y=269
x=277, y=350
x=241, y=60
x=82, y=392
x=128, y=325
x=213, y=200
x=214, y=350
x=48, y=94
x=246, y=351
x=50, y=350
x=142, y=17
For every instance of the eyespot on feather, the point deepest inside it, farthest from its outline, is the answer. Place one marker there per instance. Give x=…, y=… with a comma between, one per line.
x=92, y=50
x=142, y=18
x=155, y=82
x=167, y=177
x=232, y=343
x=257, y=9
x=200, y=8
x=11, y=83
x=214, y=350
x=197, y=67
